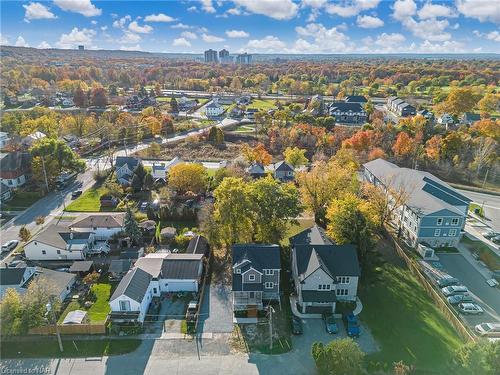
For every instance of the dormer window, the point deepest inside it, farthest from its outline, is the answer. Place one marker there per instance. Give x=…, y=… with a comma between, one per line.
x=251, y=277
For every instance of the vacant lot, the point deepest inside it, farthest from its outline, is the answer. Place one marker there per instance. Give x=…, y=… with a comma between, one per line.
x=404, y=320
x=89, y=201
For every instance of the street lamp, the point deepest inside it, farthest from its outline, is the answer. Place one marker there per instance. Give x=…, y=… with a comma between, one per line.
x=51, y=312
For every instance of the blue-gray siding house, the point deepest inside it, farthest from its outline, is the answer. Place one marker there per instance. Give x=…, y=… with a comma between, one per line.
x=433, y=212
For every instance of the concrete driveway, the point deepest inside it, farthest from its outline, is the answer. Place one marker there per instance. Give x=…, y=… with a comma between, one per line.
x=489, y=298
x=172, y=314
x=216, y=315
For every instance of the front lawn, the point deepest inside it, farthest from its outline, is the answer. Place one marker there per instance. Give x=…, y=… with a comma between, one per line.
x=21, y=200
x=404, y=320
x=89, y=201
x=48, y=348
x=100, y=308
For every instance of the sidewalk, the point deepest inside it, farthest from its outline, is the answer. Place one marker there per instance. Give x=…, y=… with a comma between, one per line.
x=474, y=263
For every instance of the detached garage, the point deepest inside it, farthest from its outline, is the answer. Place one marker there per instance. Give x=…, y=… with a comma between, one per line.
x=181, y=273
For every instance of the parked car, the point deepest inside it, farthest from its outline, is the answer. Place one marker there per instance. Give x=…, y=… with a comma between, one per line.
x=191, y=311
x=144, y=206
x=16, y=263
x=330, y=324
x=490, y=234
x=470, y=308
x=447, y=281
x=488, y=329
x=297, y=328
x=459, y=298
x=352, y=325
x=9, y=245
x=454, y=289
x=496, y=275
x=76, y=194
x=496, y=239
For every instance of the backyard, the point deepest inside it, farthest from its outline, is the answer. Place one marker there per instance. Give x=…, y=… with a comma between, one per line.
x=100, y=308
x=403, y=318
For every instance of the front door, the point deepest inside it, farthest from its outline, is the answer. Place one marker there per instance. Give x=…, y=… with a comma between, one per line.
x=252, y=311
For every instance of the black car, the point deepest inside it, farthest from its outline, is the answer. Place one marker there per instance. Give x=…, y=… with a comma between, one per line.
x=76, y=194
x=297, y=326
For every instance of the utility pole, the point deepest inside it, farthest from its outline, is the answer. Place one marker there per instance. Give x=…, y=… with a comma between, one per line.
x=45, y=174
x=271, y=328
x=51, y=312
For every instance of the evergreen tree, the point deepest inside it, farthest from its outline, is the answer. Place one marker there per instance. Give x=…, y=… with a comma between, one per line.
x=131, y=228
x=174, y=107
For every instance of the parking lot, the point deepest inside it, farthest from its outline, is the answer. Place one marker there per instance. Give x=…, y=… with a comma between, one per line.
x=487, y=297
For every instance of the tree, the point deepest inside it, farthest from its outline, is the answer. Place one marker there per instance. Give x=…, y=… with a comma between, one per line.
x=477, y=358
x=236, y=84
x=11, y=313
x=91, y=278
x=488, y=104
x=174, y=106
x=433, y=147
x=148, y=182
x=99, y=97
x=186, y=177
x=167, y=125
x=459, y=100
x=400, y=368
x=273, y=206
x=24, y=234
x=295, y=156
x=257, y=154
x=339, y=357
x=131, y=228
x=40, y=220
x=404, y=145
x=216, y=136
x=80, y=99
x=349, y=221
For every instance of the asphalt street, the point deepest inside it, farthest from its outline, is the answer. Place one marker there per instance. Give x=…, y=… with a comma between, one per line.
x=490, y=204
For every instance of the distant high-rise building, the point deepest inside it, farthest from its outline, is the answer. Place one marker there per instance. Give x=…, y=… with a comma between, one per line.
x=81, y=47
x=244, y=58
x=223, y=55
x=210, y=56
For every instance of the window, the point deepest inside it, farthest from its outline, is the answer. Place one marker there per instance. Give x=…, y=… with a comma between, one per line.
x=439, y=221
x=324, y=287
x=125, y=305
x=155, y=290
x=453, y=232
x=237, y=270
x=251, y=295
x=437, y=232
x=44, y=252
x=58, y=251
x=269, y=285
x=269, y=272
x=342, y=292
x=455, y=221
x=344, y=280
x=251, y=277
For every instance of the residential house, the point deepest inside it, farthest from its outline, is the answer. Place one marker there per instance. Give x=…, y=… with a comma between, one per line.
x=283, y=172
x=256, y=276
x=256, y=170
x=185, y=104
x=136, y=103
x=244, y=100
x=67, y=102
x=160, y=170
x=4, y=140
x=14, y=168
x=446, y=120
x=103, y=226
x=61, y=283
x=469, y=118
x=428, y=115
x=15, y=278
x=323, y=272
x=198, y=245
x=400, y=107
x=316, y=105
x=214, y=109
x=434, y=213
x=32, y=138
x=352, y=114
x=250, y=113
x=356, y=99
x=223, y=100
x=125, y=167
x=5, y=192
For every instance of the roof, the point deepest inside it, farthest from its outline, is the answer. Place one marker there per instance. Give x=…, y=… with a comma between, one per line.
x=256, y=169
x=60, y=280
x=81, y=266
x=4, y=188
x=356, y=99
x=130, y=161
x=469, y=116
x=314, y=235
x=283, y=166
x=198, y=245
x=119, y=265
x=336, y=260
x=427, y=193
x=60, y=237
x=12, y=276
x=182, y=266
x=134, y=285
x=150, y=265
x=213, y=104
x=260, y=256
x=318, y=296
x=346, y=107
x=15, y=162
x=99, y=221
x=75, y=317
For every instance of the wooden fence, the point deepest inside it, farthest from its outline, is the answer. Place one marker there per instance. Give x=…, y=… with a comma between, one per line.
x=71, y=329
x=450, y=314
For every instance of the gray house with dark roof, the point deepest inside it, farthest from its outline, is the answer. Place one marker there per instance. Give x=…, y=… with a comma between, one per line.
x=124, y=168
x=256, y=170
x=348, y=113
x=323, y=272
x=283, y=171
x=15, y=278
x=256, y=276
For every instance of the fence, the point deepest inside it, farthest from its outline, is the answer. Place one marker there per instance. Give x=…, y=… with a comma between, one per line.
x=71, y=329
x=443, y=306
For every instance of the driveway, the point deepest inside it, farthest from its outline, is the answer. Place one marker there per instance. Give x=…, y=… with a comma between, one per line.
x=216, y=315
x=171, y=315
x=489, y=298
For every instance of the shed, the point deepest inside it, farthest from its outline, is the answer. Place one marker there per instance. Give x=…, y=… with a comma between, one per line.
x=81, y=267
x=168, y=232
x=76, y=317
x=198, y=245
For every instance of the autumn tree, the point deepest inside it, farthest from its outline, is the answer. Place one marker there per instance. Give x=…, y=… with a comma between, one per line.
x=91, y=278
x=24, y=234
x=488, y=104
x=79, y=98
x=99, y=97
x=339, y=357
x=174, y=106
x=216, y=135
x=459, y=100
x=184, y=177
x=433, y=147
x=257, y=154
x=167, y=125
x=295, y=156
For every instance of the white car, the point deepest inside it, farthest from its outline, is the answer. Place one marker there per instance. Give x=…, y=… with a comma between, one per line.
x=488, y=329
x=10, y=245
x=454, y=289
x=470, y=308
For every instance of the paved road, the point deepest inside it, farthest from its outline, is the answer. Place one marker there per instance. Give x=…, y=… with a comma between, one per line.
x=488, y=297
x=490, y=204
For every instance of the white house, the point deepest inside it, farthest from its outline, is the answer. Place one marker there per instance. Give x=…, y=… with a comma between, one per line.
x=4, y=139
x=159, y=171
x=124, y=168
x=59, y=243
x=13, y=168
x=102, y=225
x=30, y=139
x=445, y=120
x=213, y=109
x=15, y=278
x=131, y=298
x=61, y=282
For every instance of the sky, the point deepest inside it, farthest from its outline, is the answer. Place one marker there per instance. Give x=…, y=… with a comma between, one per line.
x=256, y=26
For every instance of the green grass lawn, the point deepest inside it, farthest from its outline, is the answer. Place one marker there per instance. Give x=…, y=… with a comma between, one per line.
x=88, y=201
x=474, y=207
x=405, y=321
x=485, y=253
x=297, y=228
x=21, y=200
x=245, y=129
x=48, y=348
x=262, y=104
x=99, y=309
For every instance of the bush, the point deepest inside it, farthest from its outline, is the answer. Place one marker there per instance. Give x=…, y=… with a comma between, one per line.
x=101, y=175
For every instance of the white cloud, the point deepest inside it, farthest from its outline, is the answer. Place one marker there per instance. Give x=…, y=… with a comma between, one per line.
x=120, y=23
x=93, y=22
x=3, y=40
x=83, y=7
x=181, y=42
x=20, y=42
x=351, y=8
x=431, y=29
x=160, y=17
x=104, y=28
x=129, y=37
x=403, y=9
x=483, y=10
x=448, y=46
x=76, y=37
x=137, y=47
x=234, y=11
x=134, y=27
x=494, y=35
x=270, y=44
x=207, y=6
x=430, y=10
x=37, y=11
x=211, y=38
x=313, y=3
x=324, y=39
x=44, y=45
x=192, y=9
x=390, y=40
x=277, y=9
x=180, y=25
x=189, y=35
x=237, y=34
x=369, y=22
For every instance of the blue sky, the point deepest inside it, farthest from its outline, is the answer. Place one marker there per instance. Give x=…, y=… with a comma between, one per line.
x=256, y=26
